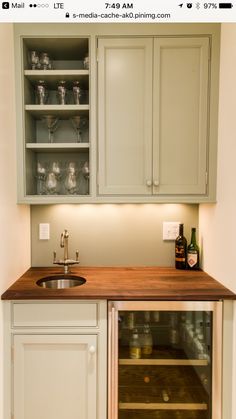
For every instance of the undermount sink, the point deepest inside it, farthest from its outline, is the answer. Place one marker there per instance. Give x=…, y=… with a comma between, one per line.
x=61, y=281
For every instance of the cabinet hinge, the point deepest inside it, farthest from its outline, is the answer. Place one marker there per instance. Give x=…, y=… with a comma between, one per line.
x=206, y=178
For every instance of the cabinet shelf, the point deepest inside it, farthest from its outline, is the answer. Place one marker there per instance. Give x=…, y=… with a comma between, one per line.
x=83, y=147
x=185, y=362
x=35, y=75
x=59, y=110
x=163, y=406
x=52, y=77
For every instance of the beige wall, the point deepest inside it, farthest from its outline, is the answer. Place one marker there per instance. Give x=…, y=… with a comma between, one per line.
x=217, y=222
x=115, y=235
x=14, y=220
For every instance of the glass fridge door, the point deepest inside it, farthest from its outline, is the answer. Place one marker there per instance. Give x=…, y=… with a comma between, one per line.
x=165, y=360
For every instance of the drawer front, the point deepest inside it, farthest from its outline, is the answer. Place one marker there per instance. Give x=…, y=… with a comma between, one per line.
x=55, y=314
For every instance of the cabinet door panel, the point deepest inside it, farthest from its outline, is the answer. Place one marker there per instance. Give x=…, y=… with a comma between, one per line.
x=180, y=109
x=125, y=115
x=54, y=377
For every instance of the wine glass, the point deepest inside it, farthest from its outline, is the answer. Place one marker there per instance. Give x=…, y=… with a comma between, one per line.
x=41, y=92
x=86, y=62
x=71, y=181
x=41, y=176
x=45, y=61
x=85, y=171
x=62, y=92
x=51, y=183
x=77, y=93
x=34, y=60
x=51, y=122
x=56, y=169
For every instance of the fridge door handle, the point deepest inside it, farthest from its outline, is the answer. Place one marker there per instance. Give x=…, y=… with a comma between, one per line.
x=113, y=363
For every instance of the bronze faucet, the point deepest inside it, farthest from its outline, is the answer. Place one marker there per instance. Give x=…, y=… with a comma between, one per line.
x=66, y=262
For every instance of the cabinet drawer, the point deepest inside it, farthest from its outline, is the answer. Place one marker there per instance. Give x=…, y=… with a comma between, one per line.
x=56, y=314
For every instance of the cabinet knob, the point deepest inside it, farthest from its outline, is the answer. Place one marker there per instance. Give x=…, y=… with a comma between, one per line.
x=92, y=350
x=156, y=183
x=149, y=183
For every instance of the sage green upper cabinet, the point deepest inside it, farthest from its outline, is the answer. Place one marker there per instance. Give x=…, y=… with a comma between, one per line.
x=125, y=115
x=153, y=118
x=143, y=127
x=180, y=106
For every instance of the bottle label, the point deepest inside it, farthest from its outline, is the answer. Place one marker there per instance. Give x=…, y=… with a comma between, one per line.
x=135, y=352
x=192, y=259
x=147, y=349
x=180, y=254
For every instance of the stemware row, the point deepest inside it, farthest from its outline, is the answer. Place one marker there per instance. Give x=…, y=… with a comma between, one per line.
x=56, y=178
x=42, y=61
x=42, y=93
x=78, y=122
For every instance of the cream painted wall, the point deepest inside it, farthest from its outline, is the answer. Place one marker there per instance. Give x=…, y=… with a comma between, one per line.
x=14, y=219
x=217, y=222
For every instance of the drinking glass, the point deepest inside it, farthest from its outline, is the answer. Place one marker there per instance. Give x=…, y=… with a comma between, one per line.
x=85, y=171
x=77, y=93
x=41, y=92
x=71, y=179
x=51, y=122
x=62, y=92
x=41, y=176
x=45, y=62
x=76, y=120
x=86, y=62
x=34, y=60
x=51, y=183
x=56, y=169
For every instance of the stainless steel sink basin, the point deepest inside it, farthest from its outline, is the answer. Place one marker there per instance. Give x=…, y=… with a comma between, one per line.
x=61, y=281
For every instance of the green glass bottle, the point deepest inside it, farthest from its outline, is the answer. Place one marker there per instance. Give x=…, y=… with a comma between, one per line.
x=181, y=249
x=193, y=252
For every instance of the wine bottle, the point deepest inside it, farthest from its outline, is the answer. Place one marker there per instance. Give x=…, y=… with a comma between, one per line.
x=147, y=341
x=193, y=252
x=180, y=249
x=135, y=345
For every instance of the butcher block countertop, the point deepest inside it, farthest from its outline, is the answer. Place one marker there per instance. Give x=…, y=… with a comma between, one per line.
x=123, y=283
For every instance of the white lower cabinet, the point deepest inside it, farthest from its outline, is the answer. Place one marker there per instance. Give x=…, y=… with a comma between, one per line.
x=57, y=372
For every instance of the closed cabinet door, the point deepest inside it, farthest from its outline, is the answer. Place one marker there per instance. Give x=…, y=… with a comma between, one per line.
x=125, y=116
x=55, y=376
x=180, y=109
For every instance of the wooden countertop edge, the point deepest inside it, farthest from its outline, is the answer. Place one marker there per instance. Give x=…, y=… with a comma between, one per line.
x=123, y=283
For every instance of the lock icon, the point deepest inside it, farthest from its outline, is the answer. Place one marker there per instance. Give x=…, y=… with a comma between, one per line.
x=67, y=14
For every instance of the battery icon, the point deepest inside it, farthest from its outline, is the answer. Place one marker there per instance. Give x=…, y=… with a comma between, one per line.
x=225, y=5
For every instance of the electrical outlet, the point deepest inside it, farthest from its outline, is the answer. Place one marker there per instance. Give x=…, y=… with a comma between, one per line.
x=170, y=230
x=44, y=231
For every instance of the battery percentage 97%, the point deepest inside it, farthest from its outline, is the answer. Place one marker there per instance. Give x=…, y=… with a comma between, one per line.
x=210, y=5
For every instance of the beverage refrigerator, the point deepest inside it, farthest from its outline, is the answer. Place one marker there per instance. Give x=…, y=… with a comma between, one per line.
x=165, y=360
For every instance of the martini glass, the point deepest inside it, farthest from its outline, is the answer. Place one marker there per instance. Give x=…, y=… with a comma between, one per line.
x=51, y=122
x=76, y=121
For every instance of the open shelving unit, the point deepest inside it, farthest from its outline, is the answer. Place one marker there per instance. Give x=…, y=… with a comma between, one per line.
x=53, y=168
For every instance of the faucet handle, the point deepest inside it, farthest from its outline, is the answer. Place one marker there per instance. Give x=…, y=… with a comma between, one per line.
x=54, y=257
